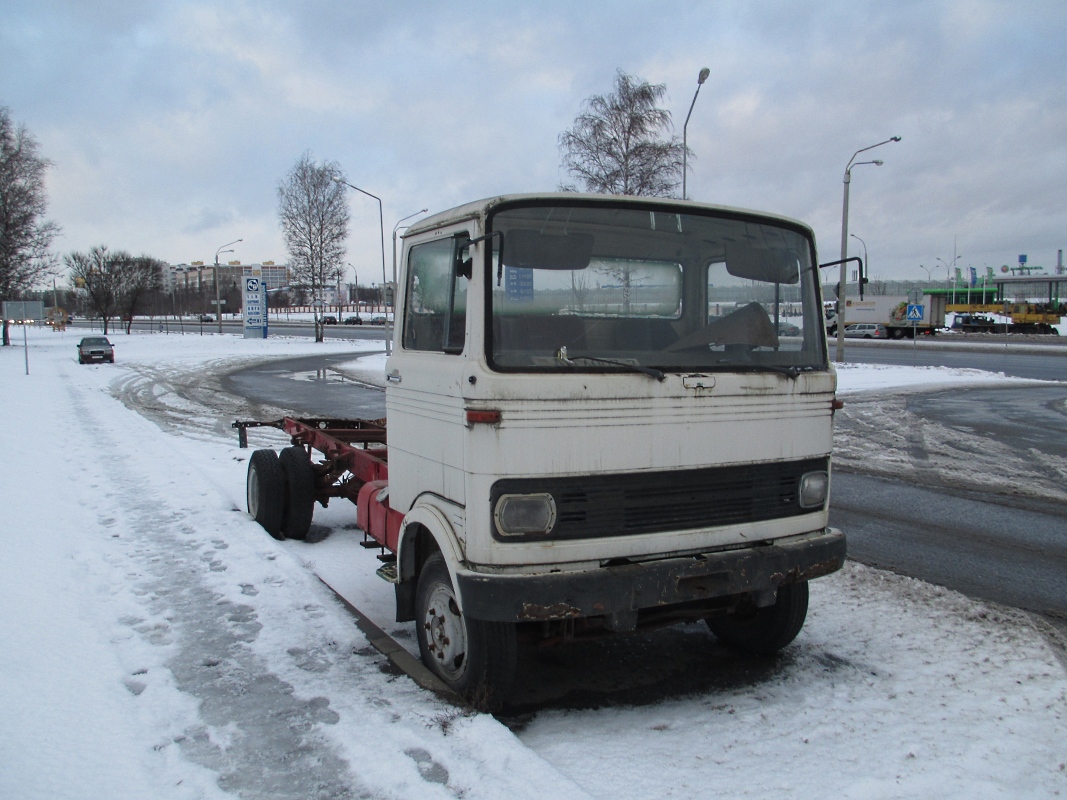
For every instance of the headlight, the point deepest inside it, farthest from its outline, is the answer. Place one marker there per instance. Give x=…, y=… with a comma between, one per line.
x=814, y=486
x=518, y=514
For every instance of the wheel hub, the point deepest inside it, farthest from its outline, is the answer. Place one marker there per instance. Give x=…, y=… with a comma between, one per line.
x=446, y=635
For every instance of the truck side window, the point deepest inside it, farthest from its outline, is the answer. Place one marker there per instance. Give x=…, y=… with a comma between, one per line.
x=435, y=314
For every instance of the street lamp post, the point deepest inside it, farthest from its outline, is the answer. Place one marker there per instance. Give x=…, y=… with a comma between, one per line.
x=355, y=282
x=703, y=76
x=218, y=305
x=381, y=224
x=844, y=244
x=948, y=275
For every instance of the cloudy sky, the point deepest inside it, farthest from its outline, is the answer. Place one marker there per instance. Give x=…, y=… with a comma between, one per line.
x=171, y=122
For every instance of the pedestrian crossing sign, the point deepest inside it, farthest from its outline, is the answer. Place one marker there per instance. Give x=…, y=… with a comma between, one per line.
x=915, y=313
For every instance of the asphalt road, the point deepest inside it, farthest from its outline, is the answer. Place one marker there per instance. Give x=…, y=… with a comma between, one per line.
x=1017, y=359
x=308, y=387
x=960, y=540
x=972, y=496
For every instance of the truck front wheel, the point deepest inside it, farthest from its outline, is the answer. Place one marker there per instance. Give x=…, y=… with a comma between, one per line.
x=265, y=491
x=765, y=630
x=475, y=658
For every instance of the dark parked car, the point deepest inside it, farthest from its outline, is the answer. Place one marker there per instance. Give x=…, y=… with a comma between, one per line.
x=95, y=348
x=377, y=320
x=353, y=321
x=329, y=319
x=206, y=318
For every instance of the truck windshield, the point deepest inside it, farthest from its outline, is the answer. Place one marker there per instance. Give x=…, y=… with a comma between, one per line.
x=594, y=287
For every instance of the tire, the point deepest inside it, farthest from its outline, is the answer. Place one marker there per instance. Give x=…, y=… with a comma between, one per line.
x=299, y=492
x=764, y=631
x=897, y=333
x=265, y=491
x=475, y=658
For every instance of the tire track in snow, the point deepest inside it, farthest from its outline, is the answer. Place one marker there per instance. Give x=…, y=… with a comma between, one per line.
x=190, y=400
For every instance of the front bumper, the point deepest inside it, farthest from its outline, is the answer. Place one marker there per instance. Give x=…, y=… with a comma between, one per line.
x=632, y=587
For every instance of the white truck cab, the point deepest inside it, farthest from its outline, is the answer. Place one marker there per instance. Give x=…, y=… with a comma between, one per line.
x=606, y=412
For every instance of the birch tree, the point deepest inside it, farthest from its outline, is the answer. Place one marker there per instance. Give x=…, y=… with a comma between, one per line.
x=623, y=142
x=314, y=216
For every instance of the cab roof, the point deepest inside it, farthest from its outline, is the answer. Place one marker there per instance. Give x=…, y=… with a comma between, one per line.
x=479, y=208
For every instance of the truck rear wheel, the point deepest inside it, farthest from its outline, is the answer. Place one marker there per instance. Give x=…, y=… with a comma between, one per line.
x=299, y=492
x=765, y=630
x=475, y=658
x=265, y=491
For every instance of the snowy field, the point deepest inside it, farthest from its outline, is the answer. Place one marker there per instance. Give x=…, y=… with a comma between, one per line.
x=156, y=643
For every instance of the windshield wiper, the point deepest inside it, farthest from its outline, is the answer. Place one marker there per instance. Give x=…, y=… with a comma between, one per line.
x=652, y=372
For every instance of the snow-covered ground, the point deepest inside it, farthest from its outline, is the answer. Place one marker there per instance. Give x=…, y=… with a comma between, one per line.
x=155, y=643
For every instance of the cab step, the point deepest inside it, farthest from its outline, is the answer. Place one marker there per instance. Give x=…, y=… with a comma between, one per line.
x=388, y=573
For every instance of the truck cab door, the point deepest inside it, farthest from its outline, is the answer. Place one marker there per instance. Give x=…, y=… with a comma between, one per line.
x=424, y=391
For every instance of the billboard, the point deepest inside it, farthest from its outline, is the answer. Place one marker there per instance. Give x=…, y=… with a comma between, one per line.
x=24, y=310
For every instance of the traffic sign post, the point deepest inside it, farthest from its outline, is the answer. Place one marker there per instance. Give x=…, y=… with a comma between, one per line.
x=915, y=316
x=254, y=291
x=24, y=312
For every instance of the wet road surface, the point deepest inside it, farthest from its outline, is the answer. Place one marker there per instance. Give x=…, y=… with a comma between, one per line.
x=309, y=387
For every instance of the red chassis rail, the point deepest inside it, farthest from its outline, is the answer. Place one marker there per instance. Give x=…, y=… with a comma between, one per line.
x=355, y=466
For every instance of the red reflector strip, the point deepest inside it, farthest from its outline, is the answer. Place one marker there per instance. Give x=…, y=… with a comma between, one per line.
x=489, y=417
x=837, y=405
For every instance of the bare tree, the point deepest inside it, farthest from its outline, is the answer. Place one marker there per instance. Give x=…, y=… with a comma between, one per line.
x=24, y=235
x=314, y=216
x=623, y=143
x=102, y=275
x=139, y=278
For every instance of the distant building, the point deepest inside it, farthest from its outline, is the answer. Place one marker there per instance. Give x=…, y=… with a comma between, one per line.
x=276, y=275
x=198, y=276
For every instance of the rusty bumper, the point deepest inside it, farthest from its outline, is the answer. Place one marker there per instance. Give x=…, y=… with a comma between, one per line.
x=631, y=587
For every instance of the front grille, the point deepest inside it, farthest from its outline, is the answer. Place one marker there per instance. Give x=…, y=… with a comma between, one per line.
x=654, y=502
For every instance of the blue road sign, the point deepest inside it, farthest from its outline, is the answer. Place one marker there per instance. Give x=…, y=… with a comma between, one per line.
x=915, y=313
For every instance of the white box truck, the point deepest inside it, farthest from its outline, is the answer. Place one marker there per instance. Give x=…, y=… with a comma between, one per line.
x=892, y=311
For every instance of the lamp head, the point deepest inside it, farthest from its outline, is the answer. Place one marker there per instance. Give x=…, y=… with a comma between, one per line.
x=894, y=139
x=703, y=76
x=878, y=163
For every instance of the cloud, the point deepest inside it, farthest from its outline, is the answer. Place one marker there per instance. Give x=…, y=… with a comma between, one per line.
x=171, y=123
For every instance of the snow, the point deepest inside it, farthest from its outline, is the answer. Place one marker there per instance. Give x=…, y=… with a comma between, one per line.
x=855, y=378
x=154, y=642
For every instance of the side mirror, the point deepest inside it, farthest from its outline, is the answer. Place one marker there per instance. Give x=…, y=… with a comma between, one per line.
x=462, y=262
